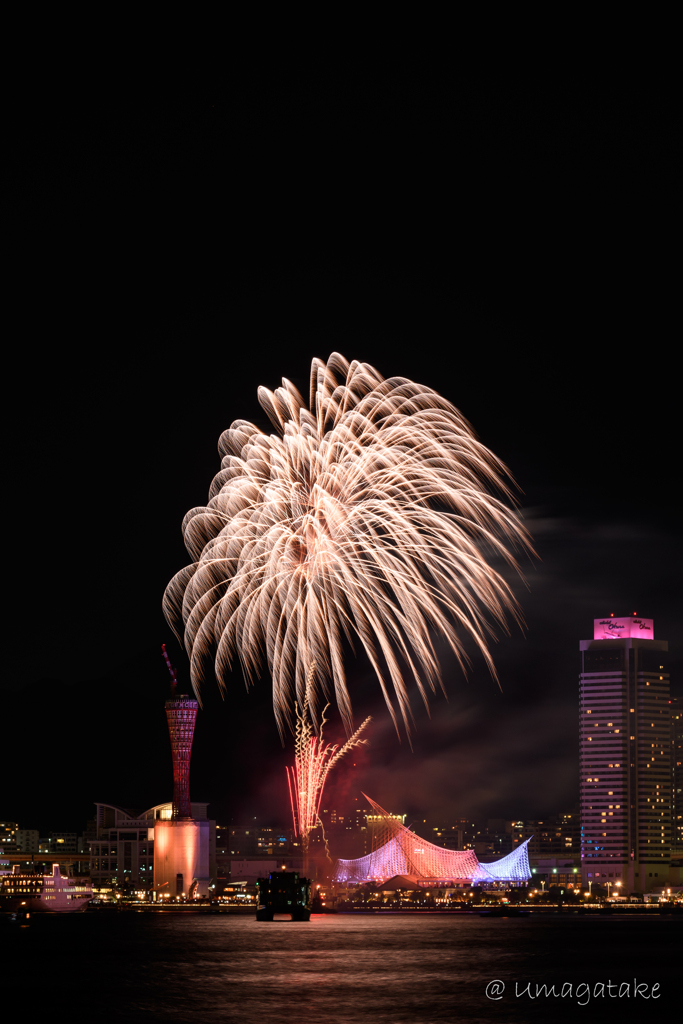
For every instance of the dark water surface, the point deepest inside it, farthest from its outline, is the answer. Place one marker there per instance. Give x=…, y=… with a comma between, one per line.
x=337, y=969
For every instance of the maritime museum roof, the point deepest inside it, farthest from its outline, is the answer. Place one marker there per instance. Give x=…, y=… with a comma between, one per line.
x=402, y=852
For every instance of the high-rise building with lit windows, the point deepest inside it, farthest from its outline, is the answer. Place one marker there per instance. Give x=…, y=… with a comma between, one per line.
x=625, y=738
x=676, y=777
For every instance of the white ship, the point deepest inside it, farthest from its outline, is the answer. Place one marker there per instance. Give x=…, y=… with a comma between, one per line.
x=55, y=893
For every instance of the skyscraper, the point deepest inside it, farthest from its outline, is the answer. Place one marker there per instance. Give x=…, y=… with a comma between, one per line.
x=676, y=778
x=625, y=737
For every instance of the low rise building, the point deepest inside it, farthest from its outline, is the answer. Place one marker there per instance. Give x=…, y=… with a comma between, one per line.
x=27, y=840
x=555, y=871
x=8, y=836
x=125, y=849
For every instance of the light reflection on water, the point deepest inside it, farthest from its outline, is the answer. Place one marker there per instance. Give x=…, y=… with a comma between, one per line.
x=337, y=968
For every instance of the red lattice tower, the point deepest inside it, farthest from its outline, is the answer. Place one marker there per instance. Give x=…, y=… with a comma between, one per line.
x=181, y=714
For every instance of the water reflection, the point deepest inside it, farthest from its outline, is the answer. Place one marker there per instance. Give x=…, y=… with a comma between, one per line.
x=337, y=969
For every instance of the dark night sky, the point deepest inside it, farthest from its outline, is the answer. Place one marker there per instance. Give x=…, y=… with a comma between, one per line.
x=508, y=247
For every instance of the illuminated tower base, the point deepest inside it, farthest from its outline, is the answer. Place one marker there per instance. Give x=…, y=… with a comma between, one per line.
x=181, y=857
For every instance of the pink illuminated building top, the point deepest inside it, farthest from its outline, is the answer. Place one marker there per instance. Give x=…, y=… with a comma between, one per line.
x=611, y=628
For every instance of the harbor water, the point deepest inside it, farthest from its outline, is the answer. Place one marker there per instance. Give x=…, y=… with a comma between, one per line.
x=340, y=969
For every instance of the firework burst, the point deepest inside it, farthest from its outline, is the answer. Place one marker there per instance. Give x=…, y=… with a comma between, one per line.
x=313, y=760
x=367, y=516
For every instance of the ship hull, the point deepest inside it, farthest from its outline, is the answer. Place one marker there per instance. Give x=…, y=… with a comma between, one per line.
x=36, y=905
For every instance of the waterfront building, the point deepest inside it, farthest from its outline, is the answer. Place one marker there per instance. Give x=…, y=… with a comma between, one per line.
x=400, y=852
x=64, y=842
x=8, y=836
x=27, y=840
x=249, y=871
x=458, y=834
x=557, y=835
x=247, y=852
x=676, y=778
x=123, y=853
x=254, y=841
x=374, y=823
x=184, y=850
x=625, y=755
x=555, y=871
x=347, y=830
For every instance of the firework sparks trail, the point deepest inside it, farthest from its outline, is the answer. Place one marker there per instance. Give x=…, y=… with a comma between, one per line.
x=313, y=760
x=366, y=516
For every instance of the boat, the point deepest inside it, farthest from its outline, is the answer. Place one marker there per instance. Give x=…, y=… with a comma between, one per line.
x=53, y=894
x=284, y=892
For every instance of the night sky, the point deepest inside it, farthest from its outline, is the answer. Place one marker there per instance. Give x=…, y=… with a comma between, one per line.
x=508, y=247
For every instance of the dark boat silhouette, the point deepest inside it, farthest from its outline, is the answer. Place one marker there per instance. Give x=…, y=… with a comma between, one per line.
x=284, y=892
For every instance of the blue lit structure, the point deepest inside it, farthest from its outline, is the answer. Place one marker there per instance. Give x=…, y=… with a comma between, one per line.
x=405, y=853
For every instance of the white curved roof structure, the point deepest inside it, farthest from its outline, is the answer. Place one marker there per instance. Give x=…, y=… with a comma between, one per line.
x=404, y=853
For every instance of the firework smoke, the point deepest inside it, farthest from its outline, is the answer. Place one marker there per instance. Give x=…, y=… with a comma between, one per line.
x=365, y=516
